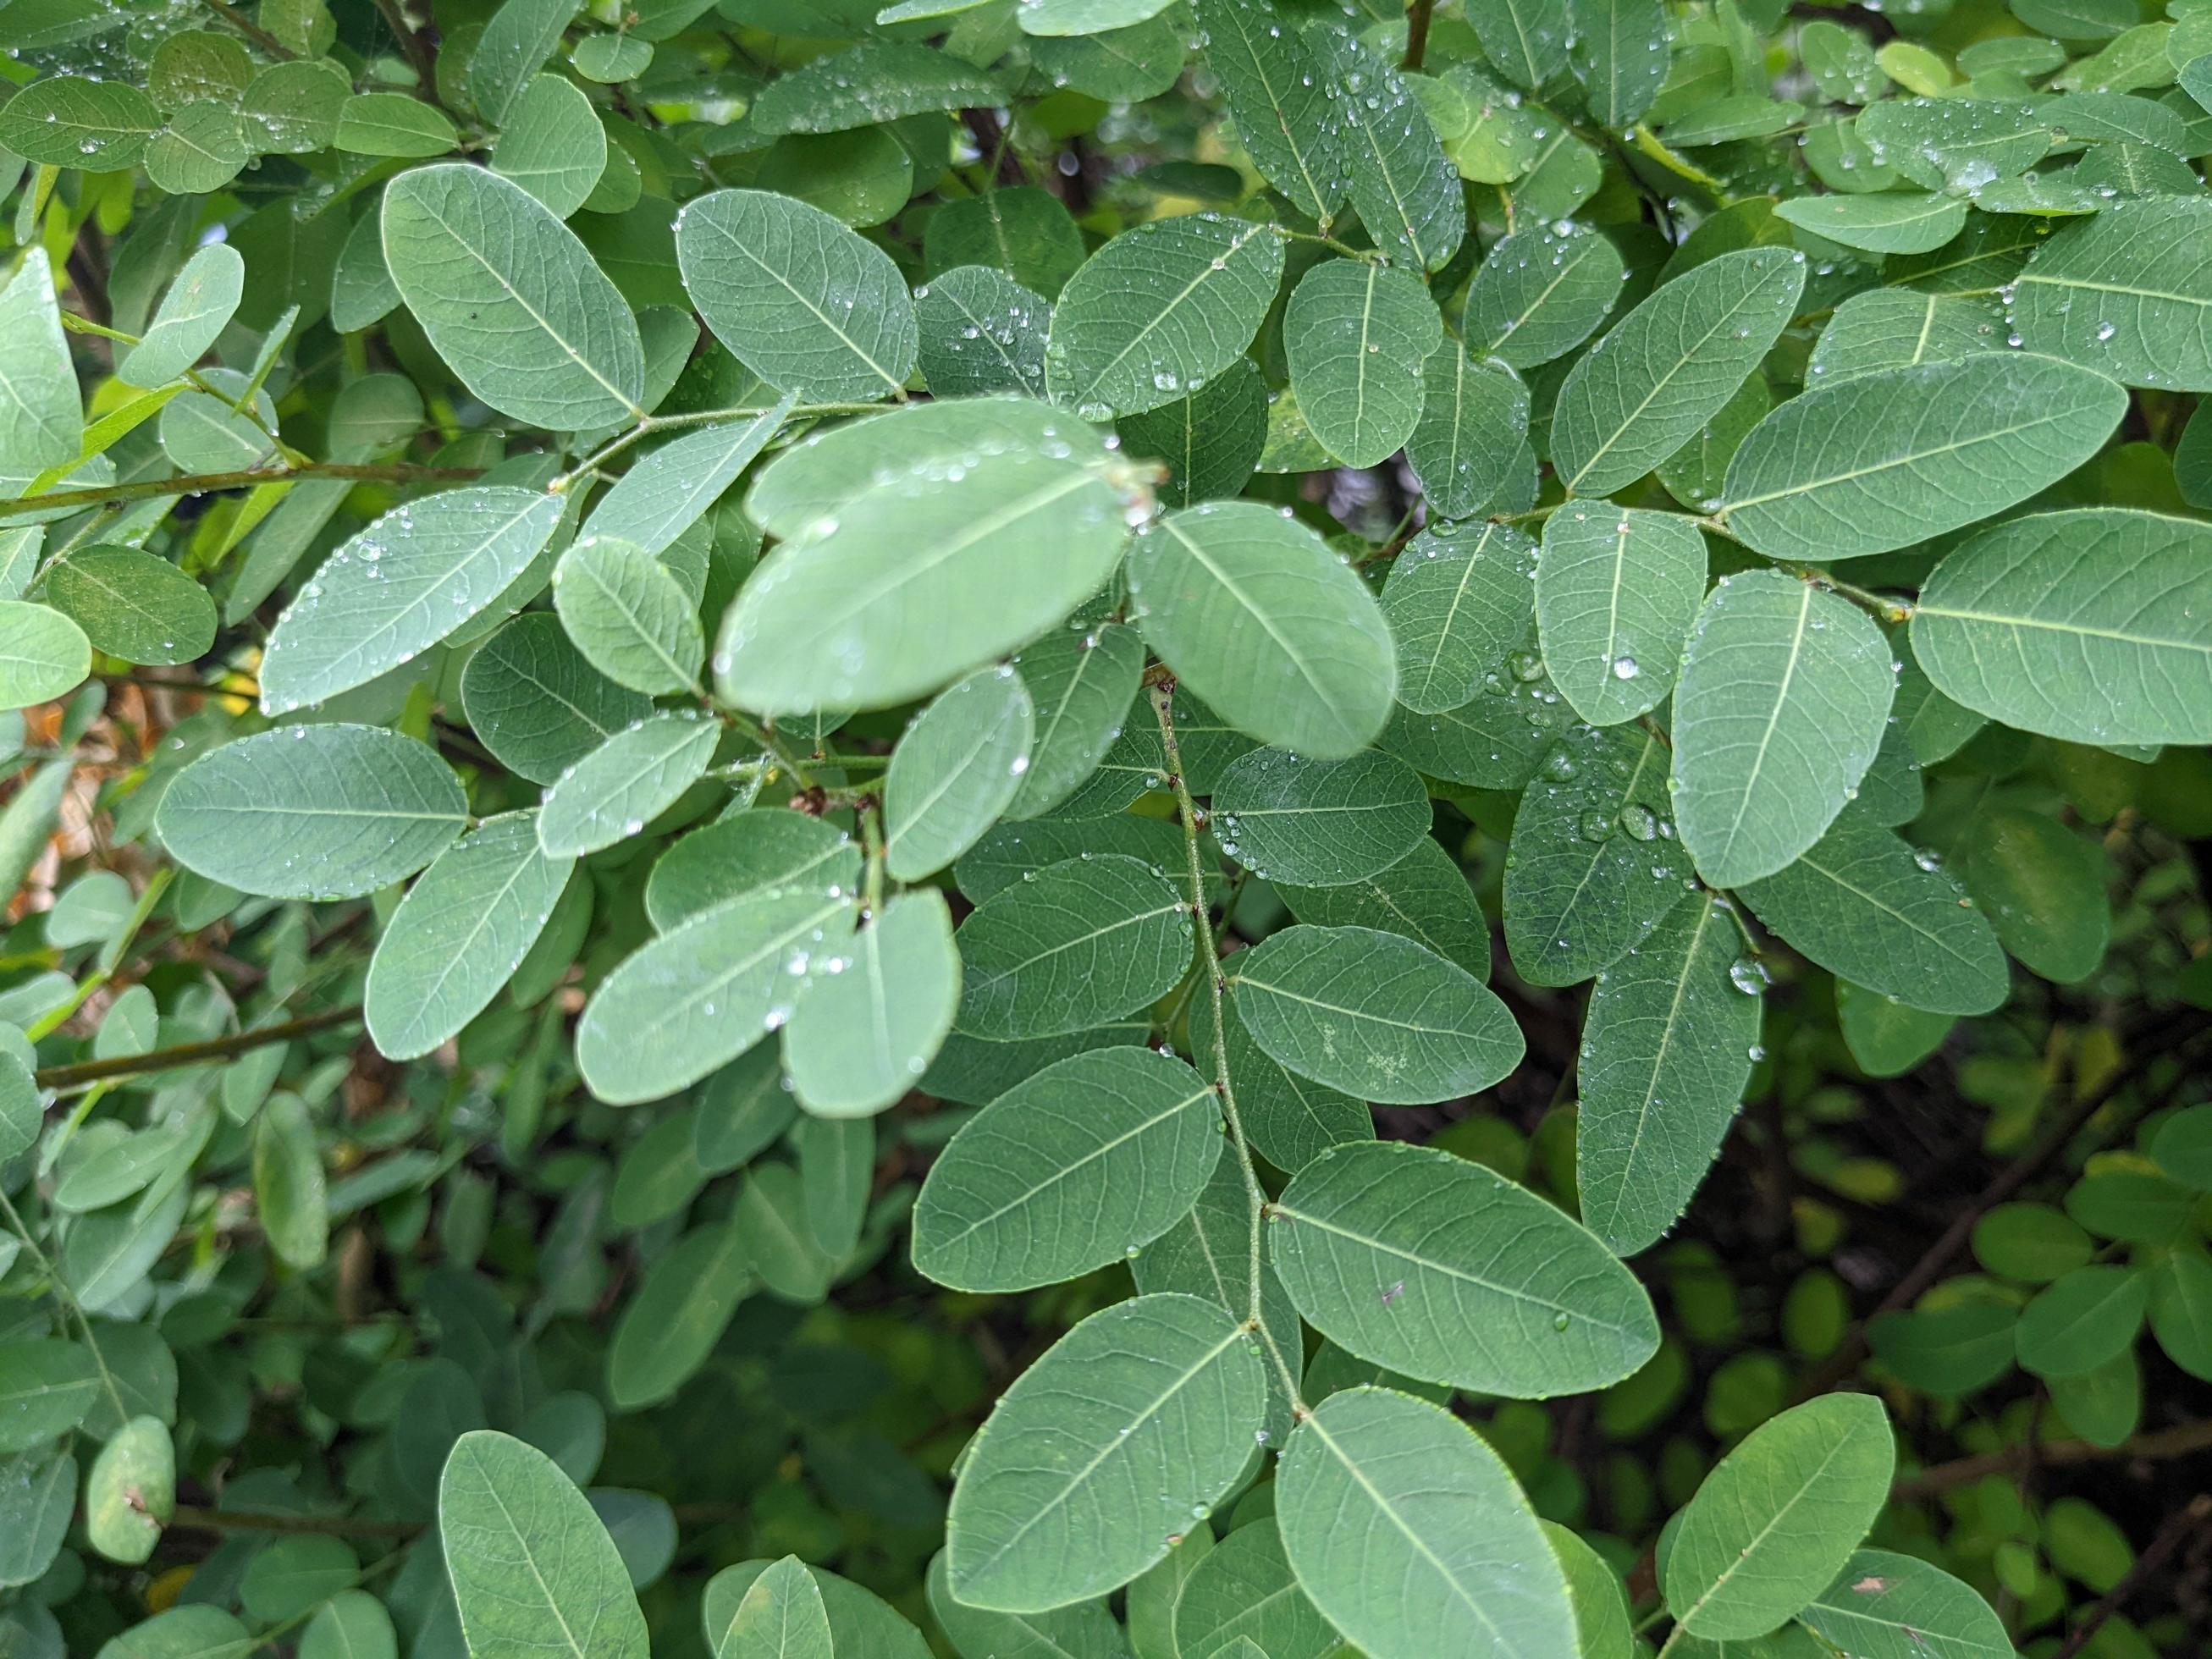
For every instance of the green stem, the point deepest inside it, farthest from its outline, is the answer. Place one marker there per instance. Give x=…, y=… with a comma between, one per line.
x=68, y=1299
x=251, y=30
x=190, y=1054
x=653, y=424
x=1209, y=968
x=196, y=483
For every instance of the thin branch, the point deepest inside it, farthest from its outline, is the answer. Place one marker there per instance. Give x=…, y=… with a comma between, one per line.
x=2164, y=1446
x=1209, y=966
x=1417, y=31
x=192, y=1054
x=328, y=1526
x=2178, y=1526
x=251, y=30
x=416, y=45
x=196, y=483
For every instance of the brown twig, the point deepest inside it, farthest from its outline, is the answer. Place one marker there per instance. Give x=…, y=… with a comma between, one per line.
x=251, y=30
x=190, y=1054
x=418, y=47
x=1417, y=31
x=2178, y=1527
x=2163, y=1446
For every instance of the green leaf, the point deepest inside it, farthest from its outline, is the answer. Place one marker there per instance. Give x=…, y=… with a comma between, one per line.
x=290, y=1193
x=1541, y=292
x=625, y=783
x=878, y=80
x=1357, y=334
x=677, y=484
x=1242, y=1591
x=1258, y=617
x=75, y=121
x=1323, y=824
x=1667, y=368
x=780, y=1617
x=130, y=1490
x=399, y=587
x=831, y=619
x=313, y=811
x=2181, y=1146
x=1771, y=1526
x=1668, y=1047
x=1892, y=222
x=1865, y=906
x=1130, y=1425
x=1411, y=1535
x=955, y=771
x=199, y=302
x=534, y=1570
x=511, y=299
x=514, y=45
x=552, y=144
x=460, y=933
x=1898, y=328
x=47, y=1387
x=2124, y=291
x=1211, y=440
x=1616, y=594
x=2181, y=1311
x=1023, y=231
x=867, y=1033
x=1595, y=1590
x=1068, y=17
x=671, y=1326
x=38, y=1498
x=1442, y=1270
x=537, y=704
x=2081, y=1320
x=43, y=654
x=352, y=1625
x=1374, y=1015
x=1081, y=683
x=749, y=852
x=1899, y=455
x=1458, y=598
x=1160, y=311
x=392, y=124
x=2043, y=888
x=798, y=298
x=1886, y=1606
x=1282, y=100
x=131, y=604
x=981, y=331
x=704, y=992
x=1084, y=1163
x=1424, y=895
x=629, y=615
x=1618, y=49
x=41, y=422
x=860, y=1622
x=2093, y=626
x=1084, y=1630
x=1087, y=941
x=1782, y=699
x=1407, y=194
x=1474, y=417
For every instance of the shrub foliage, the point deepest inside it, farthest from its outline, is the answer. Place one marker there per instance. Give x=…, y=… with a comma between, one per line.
x=961, y=827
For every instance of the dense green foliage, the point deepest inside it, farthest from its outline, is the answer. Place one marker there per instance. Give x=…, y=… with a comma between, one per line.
x=1117, y=828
